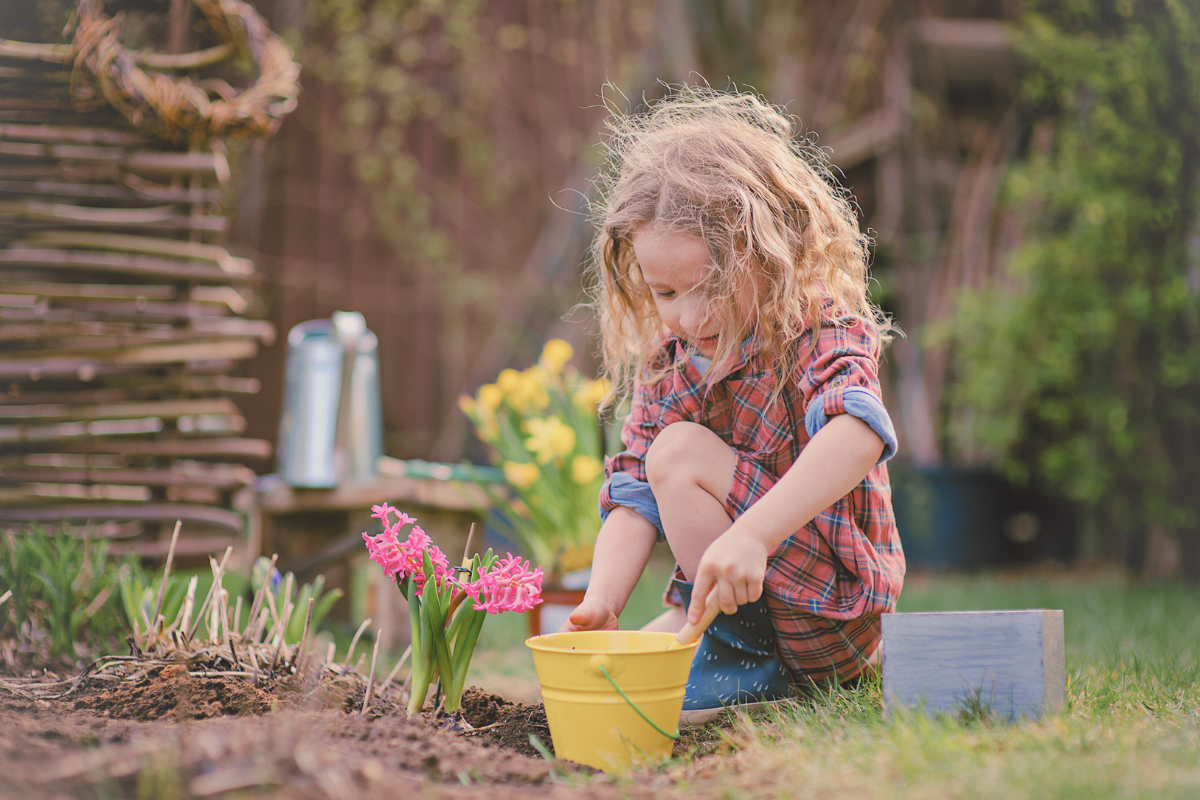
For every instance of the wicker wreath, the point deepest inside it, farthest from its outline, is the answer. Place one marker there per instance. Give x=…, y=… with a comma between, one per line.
x=176, y=109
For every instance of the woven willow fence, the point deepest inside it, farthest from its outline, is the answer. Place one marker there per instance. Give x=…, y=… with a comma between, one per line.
x=122, y=316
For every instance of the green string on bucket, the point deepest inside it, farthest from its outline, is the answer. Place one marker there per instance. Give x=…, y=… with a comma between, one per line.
x=632, y=705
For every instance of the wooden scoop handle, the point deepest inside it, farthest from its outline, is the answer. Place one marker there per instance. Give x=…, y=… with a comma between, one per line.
x=690, y=633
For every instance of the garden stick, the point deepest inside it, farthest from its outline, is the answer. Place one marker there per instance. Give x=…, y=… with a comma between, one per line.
x=162, y=587
x=388, y=680
x=371, y=678
x=354, y=643
x=467, y=549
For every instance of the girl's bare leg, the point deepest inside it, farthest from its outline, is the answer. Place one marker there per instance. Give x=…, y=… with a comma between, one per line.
x=691, y=473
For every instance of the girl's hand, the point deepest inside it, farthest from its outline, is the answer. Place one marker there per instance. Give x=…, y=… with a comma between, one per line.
x=734, y=563
x=590, y=615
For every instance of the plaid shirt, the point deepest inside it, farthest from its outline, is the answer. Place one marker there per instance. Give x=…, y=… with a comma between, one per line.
x=827, y=584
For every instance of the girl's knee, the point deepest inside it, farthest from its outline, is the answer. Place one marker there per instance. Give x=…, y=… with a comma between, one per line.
x=680, y=452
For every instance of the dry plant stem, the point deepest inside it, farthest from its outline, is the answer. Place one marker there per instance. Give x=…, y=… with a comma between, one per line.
x=258, y=596
x=228, y=635
x=237, y=615
x=396, y=669
x=354, y=643
x=146, y=629
x=255, y=633
x=285, y=615
x=215, y=619
x=4, y=597
x=299, y=655
x=278, y=647
x=93, y=607
x=162, y=587
x=274, y=613
x=185, y=619
x=371, y=679
x=218, y=572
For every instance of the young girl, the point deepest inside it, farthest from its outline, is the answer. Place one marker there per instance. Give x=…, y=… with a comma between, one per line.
x=732, y=283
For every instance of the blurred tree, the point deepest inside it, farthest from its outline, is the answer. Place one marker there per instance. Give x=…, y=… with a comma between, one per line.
x=1081, y=370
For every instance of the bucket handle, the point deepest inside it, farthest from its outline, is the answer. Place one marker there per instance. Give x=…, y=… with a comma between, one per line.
x=632, y=705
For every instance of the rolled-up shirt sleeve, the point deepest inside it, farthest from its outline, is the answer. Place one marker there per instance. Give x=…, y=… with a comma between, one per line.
x=625, y=490
x=626, y=483
x=843, y=378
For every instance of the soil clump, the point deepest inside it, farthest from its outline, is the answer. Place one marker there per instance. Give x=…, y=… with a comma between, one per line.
x=170, y=693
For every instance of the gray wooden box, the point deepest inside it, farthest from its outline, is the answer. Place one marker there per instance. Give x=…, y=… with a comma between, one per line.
x=1010, y=662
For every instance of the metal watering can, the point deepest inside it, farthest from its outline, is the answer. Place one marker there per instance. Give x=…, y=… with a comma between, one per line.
x=331, y=431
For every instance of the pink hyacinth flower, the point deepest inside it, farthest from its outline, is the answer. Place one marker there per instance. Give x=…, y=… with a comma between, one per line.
x=510, y=585
x=405, y=559
x=381, y=513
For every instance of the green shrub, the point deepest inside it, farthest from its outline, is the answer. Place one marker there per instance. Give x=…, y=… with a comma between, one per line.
x=1083, y=372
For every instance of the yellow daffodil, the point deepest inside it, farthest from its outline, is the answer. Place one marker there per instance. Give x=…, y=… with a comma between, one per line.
x=528, y=393
x=589, y=394
x=490, y=396
x=549, y=439
x=555, y=355
x=467, y=404
x=585, y=469
x=521, y=475
x=507, y=380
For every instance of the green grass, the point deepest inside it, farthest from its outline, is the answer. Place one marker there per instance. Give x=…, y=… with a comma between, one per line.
x=1131, y=727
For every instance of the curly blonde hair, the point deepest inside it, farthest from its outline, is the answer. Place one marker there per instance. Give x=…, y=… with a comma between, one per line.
x=724, y=166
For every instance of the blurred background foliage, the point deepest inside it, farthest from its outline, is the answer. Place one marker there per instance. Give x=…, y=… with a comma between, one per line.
x=1028, y=171
x=1082, y=367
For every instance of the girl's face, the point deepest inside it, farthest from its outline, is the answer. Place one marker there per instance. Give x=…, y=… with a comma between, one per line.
x=676, y=267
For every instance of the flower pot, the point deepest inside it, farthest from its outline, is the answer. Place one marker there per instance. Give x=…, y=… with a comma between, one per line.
x=557, y=604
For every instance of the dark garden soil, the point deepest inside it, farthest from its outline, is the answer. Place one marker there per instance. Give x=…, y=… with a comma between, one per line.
x=165, y=733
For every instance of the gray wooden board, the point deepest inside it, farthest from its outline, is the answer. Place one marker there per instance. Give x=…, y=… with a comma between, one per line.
x=1009, y=661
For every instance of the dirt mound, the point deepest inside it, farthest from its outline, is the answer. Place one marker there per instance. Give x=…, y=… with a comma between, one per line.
x=208, y=735
x=170, y=693
x=505, y=724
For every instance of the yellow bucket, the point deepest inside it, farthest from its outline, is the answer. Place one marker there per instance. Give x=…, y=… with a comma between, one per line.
x=590, y=722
